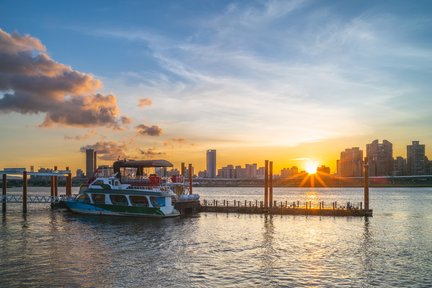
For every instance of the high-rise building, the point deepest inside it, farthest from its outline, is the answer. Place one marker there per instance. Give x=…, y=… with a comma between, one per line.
x=90, y=162
x=416, y=159
x=251, y=170
x=211, y=163
x=351, y=163
x=380, y=158
x=400, y=165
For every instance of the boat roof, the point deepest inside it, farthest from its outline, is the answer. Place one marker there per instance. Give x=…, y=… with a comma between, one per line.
x=142, y=163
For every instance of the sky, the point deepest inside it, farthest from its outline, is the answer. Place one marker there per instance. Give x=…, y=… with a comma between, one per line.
x=289, y=81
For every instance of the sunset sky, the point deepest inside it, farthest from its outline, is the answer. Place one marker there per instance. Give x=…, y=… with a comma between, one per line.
x=255, y=80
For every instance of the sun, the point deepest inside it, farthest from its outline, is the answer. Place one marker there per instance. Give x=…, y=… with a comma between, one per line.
x=311, y=167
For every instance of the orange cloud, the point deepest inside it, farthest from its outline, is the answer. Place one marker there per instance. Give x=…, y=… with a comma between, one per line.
x=144, y=102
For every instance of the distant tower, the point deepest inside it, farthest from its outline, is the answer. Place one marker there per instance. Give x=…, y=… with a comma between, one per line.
x=90, y=162
x=351, y=163
x=211, y=163
x=416, y=158
x=380, y=158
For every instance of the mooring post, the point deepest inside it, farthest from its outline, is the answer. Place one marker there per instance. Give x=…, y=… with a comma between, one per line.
x=266, y=183
x=271, y=184
x=24, y=196
x=69, y=184
x=4, y=186
x=52, y=186
x=190, y=179
x=366, y=184
x=55, y=183
x=182, y=169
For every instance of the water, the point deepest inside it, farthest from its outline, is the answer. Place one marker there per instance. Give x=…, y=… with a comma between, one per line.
x=392, y=249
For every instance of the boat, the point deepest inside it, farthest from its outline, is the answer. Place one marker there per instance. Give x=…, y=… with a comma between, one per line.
x=131, y=192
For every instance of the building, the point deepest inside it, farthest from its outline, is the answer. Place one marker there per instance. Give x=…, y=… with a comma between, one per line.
x=289, y=172
x=227, y=172
x=90, y=162
x=380, y=158
x=416, y=159
x=351, y=163
x=251, y=170
x=211, y=163
x=400, y=166
x=323, y=169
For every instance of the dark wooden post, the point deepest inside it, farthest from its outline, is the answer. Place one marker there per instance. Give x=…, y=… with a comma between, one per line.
x=366, y=184
x=52, y=186
x=271, y=184
x=55, y=183
x=4, y=186
x=190, y=179
x=24, y=196
x=266, y=184
x=69, y=184
x=182, y=169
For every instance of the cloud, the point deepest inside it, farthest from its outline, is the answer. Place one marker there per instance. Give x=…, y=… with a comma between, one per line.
x=144, y=102
x=149, y=130
x=31, y=82
x=151, y=153
x=81, y=137
x=107, y=150
x=176, y=142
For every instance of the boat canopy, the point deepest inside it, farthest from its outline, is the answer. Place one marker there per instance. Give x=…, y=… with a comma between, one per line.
x=140, y=164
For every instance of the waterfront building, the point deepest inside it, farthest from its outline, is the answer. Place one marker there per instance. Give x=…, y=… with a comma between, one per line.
x=227, y=172
x=351, y=163
x=416, y=159
x=240, y=173
x=400, y=166
x=289, y=172
x=323, y=169
x=90, y=162
x=251, y=171
x=211, y=163
x=380, y=158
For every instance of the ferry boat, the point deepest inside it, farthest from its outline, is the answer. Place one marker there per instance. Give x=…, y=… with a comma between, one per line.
x=144, y=194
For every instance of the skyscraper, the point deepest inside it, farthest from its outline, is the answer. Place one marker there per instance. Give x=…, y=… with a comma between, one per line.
x=90, y=162
x=351, y=163
x=416, y=159
x=211, y=163
x=380, y=158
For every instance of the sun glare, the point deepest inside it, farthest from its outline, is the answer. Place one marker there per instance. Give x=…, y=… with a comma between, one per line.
x=311, y=167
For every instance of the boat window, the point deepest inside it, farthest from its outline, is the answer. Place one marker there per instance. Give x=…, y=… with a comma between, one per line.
x=140, y=201
x=157, y=201
x=98, y=198
x=119, y=200
x=84, y=198
x=98, y=182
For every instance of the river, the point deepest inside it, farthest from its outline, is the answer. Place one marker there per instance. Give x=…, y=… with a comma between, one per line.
x=391, y=249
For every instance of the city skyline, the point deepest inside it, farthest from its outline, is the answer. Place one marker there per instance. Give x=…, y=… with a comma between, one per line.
x=281, y=80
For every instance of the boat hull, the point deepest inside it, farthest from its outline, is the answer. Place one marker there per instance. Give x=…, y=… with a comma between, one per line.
x=117, y=210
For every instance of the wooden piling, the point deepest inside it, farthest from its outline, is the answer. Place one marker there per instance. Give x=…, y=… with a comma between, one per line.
x=69, y=185
x=271, y=184
x=266, y=184
x=190, y=179
x=4, y=186
x=366, y=184
x=52, y=186
x=182, y=169
x=24, y=196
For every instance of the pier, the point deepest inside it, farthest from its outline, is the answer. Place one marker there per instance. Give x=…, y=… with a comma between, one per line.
x=267, y=206
x=54, y=198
